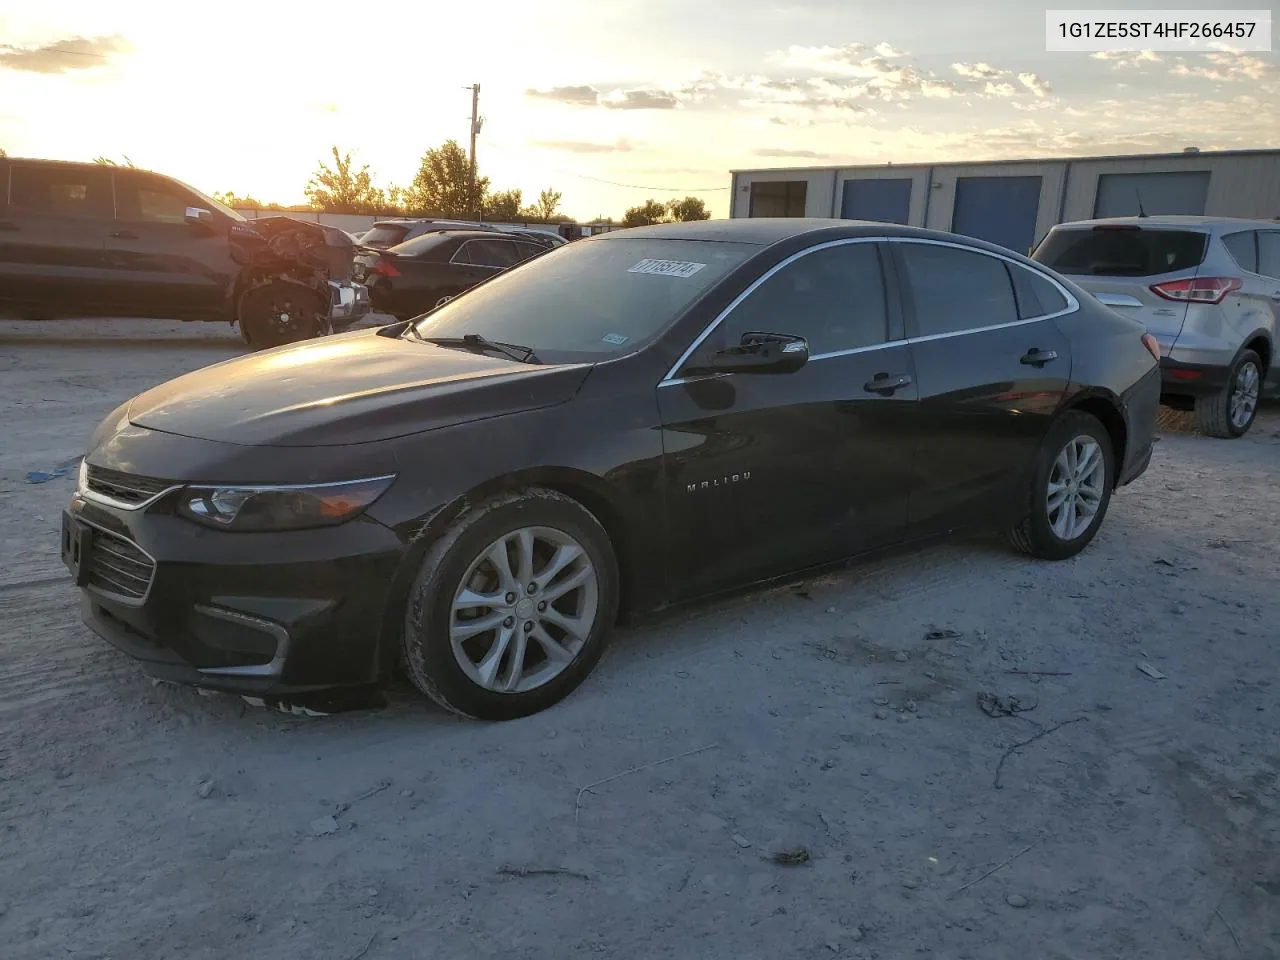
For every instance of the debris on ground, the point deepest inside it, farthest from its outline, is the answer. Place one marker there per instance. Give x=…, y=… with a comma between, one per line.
x=997, y=706
x=323, y=826
x=61, y=470
x=1016, y=900
x=1038, y=673
x=1022, y=743
x=342, y=808
x=996, y=869
x=902, y=656
x=510, y=871
x=741, y=841
x=205, y=790
x=881, y=714
x=1151, y=671
x=790, y=858
x=935, y=635
x=577, y=803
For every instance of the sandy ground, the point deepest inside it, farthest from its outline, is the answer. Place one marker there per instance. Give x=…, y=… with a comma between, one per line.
x=149, y=822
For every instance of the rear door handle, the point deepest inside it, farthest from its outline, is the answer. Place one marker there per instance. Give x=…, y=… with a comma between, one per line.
x=886, y=383
x=124, y=235
x=1036, y=357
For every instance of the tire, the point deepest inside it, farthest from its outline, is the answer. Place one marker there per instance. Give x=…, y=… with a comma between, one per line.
x=481, y=689
x=244, y=334
x=1045, y=533
x=1229, y=413
x=262, y=307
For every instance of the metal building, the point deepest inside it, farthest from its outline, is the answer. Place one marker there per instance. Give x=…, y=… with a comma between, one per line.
x=1015, y=202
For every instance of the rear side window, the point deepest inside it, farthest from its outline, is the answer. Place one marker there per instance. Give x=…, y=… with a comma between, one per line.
x=419, y=245
x=529, y=249
x=488, y=253
x=1243, y=248
x=1121, y=252
x=1037, y=296
x=1269, y=253
x=61, y=192
x=384, y=236
x=956, y=290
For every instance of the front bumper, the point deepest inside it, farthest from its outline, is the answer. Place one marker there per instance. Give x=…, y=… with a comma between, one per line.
x=348, y=302
x=266, y=614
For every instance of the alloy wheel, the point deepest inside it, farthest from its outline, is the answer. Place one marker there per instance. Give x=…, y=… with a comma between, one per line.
x=1244, y=395
x=524, y=609
x=1076, y=485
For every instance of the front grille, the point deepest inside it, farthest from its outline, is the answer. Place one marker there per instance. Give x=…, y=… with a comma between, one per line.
x=118, y=566
x=123, y=487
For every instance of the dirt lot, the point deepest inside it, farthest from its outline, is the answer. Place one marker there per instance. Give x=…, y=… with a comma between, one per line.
x=141, y=821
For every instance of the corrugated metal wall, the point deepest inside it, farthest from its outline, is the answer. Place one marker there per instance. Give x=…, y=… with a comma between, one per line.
x=1242, y=185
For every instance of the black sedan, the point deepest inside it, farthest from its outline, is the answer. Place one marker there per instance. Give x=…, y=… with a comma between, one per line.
x=412, y=277
x=625, y=423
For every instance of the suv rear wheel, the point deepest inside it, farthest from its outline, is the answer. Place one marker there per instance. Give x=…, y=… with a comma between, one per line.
x=1230, y=412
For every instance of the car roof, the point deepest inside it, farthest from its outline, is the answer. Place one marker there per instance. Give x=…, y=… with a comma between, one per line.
x=464, y=234
x=1172, y=220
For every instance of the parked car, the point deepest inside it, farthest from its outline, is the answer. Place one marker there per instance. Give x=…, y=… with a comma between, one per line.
x=629, y=422
x=412, y=277
x=388, y=233
x=91, y=240
x=1207, y=288
x=540, y=236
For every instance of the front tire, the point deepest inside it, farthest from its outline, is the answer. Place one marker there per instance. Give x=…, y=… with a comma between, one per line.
x=1229, y=413
x=512, y=606
x=1070, y=489
x=279, y=312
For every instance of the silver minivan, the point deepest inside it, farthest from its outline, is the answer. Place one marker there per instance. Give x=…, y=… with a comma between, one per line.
x=1208, y=290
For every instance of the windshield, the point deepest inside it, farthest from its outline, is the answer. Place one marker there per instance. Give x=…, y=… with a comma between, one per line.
x=1121, y=252
x=384, y=235
x=592, y=299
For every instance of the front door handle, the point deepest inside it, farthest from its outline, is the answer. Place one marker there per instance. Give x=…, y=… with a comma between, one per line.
x=1036, y=357
x=124, y=235
x=886, y=383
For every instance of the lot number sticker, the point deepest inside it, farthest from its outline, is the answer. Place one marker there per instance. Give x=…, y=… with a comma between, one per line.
x=667, y=268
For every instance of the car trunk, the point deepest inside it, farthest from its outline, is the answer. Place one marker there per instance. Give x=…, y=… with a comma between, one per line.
x=1120, y=264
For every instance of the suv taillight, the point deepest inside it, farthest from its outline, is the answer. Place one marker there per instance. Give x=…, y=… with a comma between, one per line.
x=1199, y=290
x=384, y=268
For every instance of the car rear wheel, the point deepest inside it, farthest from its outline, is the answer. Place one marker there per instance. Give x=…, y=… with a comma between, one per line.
x=277, y=313
x=1070, y=489
x=1230, y=412
x=512, y=606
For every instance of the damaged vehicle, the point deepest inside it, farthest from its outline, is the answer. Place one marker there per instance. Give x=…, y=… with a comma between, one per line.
x=85, y=239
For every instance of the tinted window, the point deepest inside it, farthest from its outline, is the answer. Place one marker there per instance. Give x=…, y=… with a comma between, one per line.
x=142, y=198
x=1037, y=296
x=60, y=191
x=1243, y=249
x=529, y=249
x=591, y=299
x=489, y=253
x=422, y=245
x=833, y=297
x=957, y=289
x=1121, y=252
x=1269, y=253
x=384, y=236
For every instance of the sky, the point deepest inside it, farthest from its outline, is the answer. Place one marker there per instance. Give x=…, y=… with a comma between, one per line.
x=611, y=102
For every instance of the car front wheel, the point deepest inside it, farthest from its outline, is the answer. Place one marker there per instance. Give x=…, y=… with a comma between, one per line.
x=512, y=606
x=1230, y=412
x=1070, y=489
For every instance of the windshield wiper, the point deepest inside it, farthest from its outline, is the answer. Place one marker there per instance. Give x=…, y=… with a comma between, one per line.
x=479, y=344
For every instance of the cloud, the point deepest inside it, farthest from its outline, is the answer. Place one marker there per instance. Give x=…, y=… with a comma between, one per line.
x=583, y=146
x=1126, y=60
x=793, y=154
x=1225, y=68
x=886, y=49
x=63, y=56
x=583, y=96
x=640, y=100
x=1035, y=83
x=978, y=71
x=1002, y=89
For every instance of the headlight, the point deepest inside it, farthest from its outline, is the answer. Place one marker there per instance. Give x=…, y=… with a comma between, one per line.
x=292, y=507
x=82, y=478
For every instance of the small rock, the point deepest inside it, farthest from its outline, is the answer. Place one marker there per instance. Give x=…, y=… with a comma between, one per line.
x=856, y=934
x=831, y=609
x=833, y=946
x=371, y=892
x=931, y=675
x=205, y=789
x=406, y=793
x=910, y=884
x=881, y=714
x=323, y=826
x=828, y=764
x=901, y=656
x=741, y=841
x=1016, y=900
x=904, y=718
x=881, y=701
x=682, y=674
x=912, y=706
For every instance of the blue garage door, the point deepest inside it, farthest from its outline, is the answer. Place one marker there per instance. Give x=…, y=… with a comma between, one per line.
x=888, y=201
x=1128, y=194
x=998, y=209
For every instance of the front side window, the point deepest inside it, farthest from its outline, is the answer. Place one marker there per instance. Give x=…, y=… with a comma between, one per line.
x=152, y=201
x=60, y=191
x=954, y=290
x=834, y=297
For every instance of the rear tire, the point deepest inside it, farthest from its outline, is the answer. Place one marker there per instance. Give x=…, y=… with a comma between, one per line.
x=277, y=313
x=495, y=640
x=1070, y=489
x=1229, y=413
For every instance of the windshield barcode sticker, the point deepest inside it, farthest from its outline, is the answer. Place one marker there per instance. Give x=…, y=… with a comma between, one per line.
x=667, y=268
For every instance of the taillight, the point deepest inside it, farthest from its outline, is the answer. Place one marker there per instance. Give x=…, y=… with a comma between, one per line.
x=385, y=267
x=1152, y=345
x=1199, y=290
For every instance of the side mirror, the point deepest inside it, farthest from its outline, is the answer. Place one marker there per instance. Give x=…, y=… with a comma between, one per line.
x=199, y=216
x=758, y=353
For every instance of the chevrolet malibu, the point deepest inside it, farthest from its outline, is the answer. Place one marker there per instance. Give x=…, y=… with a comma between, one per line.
x=478, y=494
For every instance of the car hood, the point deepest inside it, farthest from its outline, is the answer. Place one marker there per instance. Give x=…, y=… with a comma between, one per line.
x=352, y=388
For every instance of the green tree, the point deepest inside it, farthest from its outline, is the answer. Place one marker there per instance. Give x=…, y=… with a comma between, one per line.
x=232, y=199
x=503, y=206
x=690, y=208
x=548, y=204
x=342, y=188
x=651, y=211
x=108, y=162
x=443, y=184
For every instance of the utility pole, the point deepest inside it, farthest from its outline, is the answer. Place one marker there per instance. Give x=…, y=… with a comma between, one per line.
x=475, y=129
